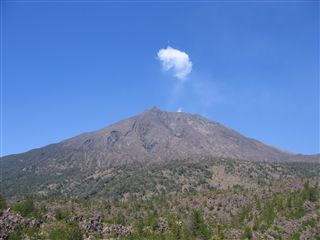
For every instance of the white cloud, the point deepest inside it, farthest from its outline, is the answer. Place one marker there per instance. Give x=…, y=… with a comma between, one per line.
x=175, y=60
x=179, y=109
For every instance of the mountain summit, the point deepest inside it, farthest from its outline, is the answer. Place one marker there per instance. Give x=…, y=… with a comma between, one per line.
x=156, y=135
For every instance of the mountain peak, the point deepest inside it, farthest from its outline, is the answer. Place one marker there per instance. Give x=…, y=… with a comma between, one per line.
x=154, y=112
x=154, y=109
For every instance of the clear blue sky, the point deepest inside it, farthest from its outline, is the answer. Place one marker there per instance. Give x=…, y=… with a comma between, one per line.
x=74, y=67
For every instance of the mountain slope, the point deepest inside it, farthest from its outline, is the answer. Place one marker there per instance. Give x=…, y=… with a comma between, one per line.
x=154, y=136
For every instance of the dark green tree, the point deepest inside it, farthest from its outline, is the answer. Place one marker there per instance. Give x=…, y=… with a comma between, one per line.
x=247, y=233
x=25, y=208
x=3, y=203
x=199, y=228
x=65, y=231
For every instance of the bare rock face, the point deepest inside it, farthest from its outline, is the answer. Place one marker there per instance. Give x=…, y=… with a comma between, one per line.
x=8, y=221
x=96, y=226
x=162, y=225
x=92, y=225
x=117, y=229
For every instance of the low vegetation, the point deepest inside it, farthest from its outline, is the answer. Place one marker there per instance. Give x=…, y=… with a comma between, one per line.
x=234, y=213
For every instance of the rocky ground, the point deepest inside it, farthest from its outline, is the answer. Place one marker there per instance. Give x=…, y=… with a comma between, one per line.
x=282, y=209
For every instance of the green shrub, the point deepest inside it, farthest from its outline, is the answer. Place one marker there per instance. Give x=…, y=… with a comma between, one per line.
x=3, y=203
x=120, y=218
x=25, y=208
x=247, y=234
x=295, y=236
x=268, y=213
x=65, y=231
x=17, y=233
x=310, y=193
x=295, y=208
x=311, y=222
x=218, y=233
x=33, y=232
x=244, y=214
x=61, y=214
x=199, y=228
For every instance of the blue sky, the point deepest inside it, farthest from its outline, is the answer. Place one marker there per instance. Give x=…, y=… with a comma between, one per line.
x=75, y=67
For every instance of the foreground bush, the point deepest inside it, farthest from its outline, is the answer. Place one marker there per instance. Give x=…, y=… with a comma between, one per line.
x=61, y=214
x=3, y=204
x=25, y=208
x=65, y=231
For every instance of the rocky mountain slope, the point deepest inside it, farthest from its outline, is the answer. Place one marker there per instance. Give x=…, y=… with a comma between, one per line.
x=154, y=135
x=89, y=163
